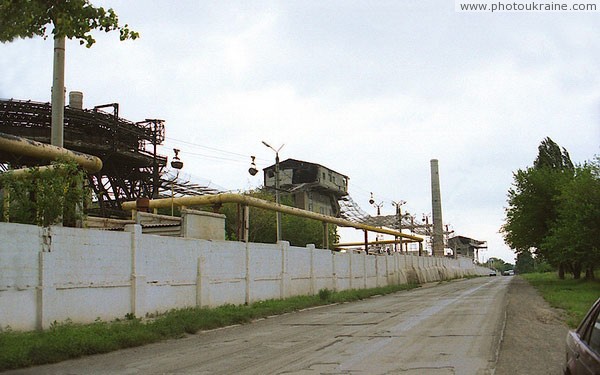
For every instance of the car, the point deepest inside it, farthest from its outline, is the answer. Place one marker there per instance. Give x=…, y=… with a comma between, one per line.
x=508, y=273
x=583, y=345
x=492, y=273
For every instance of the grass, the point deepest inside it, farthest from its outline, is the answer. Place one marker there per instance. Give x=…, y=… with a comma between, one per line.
x=68, y=340
x=575, y=297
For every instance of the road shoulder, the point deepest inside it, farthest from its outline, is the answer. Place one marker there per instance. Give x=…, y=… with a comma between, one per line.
x=534, y=334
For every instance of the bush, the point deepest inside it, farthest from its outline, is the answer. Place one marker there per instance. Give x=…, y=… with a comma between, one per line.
x=44, y=196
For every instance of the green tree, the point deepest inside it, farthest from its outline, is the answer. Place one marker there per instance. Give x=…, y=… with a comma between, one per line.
x=73, y=19
x=262, y=229
x=550, y=155
x=499, y=264
x=532, y=206
x=524, y=263
x=575, y=235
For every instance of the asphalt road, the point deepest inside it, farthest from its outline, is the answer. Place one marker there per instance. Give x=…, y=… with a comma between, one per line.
x=450, y=328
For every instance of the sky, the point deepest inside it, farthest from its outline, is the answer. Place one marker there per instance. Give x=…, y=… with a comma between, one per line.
x=371, y=89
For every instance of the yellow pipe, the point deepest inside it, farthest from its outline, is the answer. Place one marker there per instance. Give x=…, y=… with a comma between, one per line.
x=27, y=147
x=22, y=172
x=204, y=200
x=383, y=242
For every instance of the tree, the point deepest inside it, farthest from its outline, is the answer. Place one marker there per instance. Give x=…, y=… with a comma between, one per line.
x=575, y=236
x=524, y=263
x=532, y=206
x=499, y=264
x=298, y=231
x=551, y=156
x=73, y=19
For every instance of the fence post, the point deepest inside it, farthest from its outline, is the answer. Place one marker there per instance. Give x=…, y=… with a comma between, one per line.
x=248, y=276
x=365, y=269
x=286, y=280
x=313, y=281
x=138, y=281
x=202, y=283
x=46, y=290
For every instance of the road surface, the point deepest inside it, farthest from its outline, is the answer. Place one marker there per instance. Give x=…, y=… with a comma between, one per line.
x=450, y=328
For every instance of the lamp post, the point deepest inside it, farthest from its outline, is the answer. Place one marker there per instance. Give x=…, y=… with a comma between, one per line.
x=176, y=164
x=372, y=202
x=276, y=185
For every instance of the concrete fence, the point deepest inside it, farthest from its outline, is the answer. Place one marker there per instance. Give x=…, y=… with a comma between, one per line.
x=53, y=274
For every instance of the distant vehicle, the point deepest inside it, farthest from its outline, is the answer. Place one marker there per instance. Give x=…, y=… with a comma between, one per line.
x=583, y=345
x=508, y=273
x=492, y=273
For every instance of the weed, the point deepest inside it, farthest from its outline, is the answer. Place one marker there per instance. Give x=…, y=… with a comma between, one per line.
x=573, y=296
x=325, y=294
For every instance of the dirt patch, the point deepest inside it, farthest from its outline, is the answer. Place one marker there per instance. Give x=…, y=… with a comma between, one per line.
x=534, y=336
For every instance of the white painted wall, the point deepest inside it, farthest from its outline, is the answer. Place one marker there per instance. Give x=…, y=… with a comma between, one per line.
x=54, y=274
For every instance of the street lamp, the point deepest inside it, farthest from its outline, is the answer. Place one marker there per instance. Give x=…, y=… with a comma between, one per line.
x=252, y=170
x=176, y=164
x=276, y=185
x=372, y=202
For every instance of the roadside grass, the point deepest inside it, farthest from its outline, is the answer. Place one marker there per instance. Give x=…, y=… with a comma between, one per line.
x=575, y=297
x=68, y=340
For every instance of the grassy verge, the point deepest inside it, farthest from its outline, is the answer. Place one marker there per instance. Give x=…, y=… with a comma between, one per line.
x=573, y=296
x=68, y=340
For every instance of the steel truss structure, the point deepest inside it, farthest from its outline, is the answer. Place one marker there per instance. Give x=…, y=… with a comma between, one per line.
x=132, y=168
x=351, y=211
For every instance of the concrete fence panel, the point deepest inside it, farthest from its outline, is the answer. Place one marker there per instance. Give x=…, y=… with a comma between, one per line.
x=53, y=274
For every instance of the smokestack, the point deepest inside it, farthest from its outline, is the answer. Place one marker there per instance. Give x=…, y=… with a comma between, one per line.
x=76, y=99
x=436, y=207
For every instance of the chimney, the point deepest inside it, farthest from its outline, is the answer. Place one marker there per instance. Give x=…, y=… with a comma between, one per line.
x=76, y=99
x=436, y=207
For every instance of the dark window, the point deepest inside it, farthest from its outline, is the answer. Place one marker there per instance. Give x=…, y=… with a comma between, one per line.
x=595, y=335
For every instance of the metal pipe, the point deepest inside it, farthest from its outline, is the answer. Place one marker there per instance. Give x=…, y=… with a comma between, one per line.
x=378, y=242
x=22, y=172
x=27, y=147
x=205, y=200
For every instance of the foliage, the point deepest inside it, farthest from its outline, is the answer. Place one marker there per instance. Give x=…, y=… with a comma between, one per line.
x=554, y=212
x=499, y=264
x=67, y=340
x=573, y=296
x=44, y=196
x=526, y=263
x=296, y=230
x=532, y=209
x=73, y=19
x=575, y=236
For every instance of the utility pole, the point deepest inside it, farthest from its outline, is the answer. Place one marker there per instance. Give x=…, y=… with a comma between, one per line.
x=58, y=93
x=276, y=186
x=399, y=217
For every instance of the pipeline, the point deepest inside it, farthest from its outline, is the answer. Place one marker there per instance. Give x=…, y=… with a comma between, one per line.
x=216, y=199
x=379, y=242
x=28, y=147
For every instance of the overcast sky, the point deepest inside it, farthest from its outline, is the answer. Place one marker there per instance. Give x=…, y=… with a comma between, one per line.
x=371, y=89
